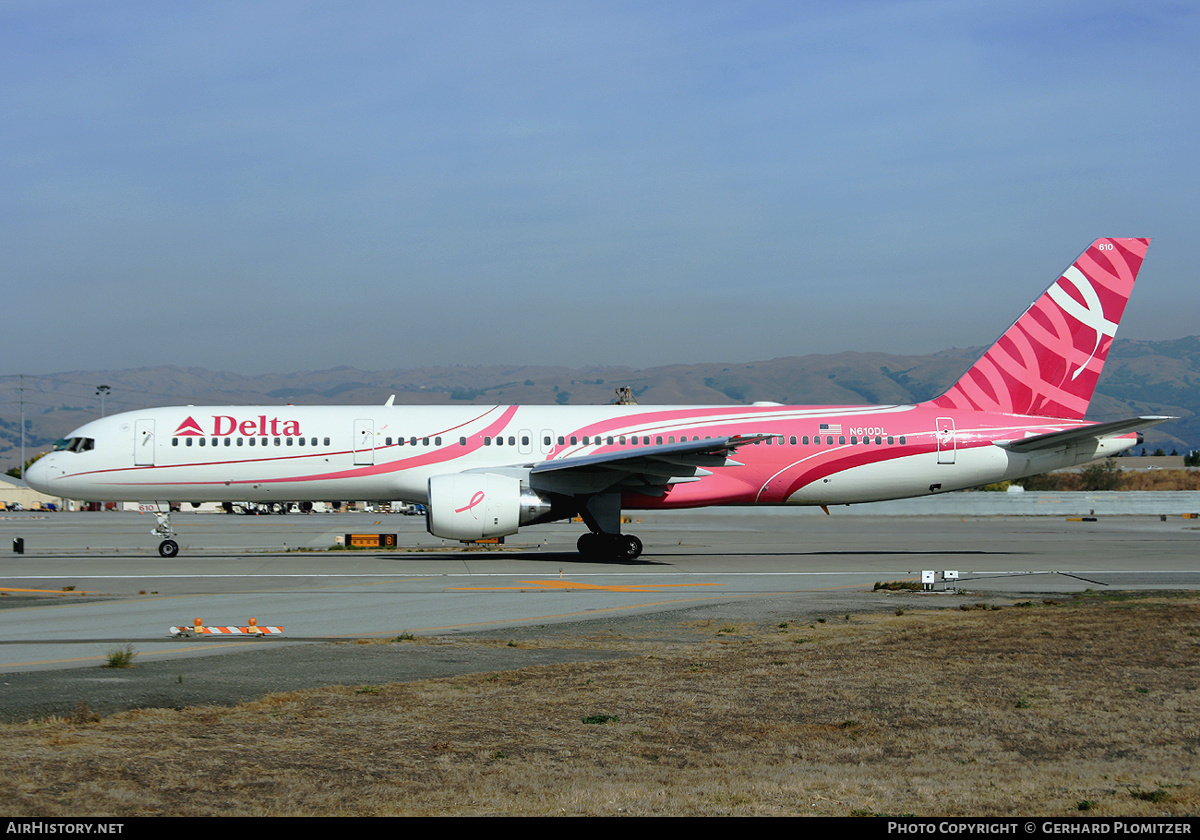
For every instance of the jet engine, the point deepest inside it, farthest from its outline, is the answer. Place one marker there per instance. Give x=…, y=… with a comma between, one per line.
x=474, y=506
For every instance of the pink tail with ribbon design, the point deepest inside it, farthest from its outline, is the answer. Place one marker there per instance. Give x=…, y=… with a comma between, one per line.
x=1047, y=363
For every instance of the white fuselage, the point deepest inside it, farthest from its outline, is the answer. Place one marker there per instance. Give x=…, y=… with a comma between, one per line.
x=814, y=455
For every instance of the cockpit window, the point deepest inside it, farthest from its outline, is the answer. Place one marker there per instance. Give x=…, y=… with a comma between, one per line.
x=75, y=444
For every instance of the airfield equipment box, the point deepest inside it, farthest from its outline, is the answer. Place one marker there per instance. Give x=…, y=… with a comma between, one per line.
x=371, y=540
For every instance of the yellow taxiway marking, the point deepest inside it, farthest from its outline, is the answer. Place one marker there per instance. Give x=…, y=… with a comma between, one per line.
x=566, y=584
x=46, y=591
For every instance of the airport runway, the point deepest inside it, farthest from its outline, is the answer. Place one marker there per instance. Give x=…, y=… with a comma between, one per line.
x=89, y=582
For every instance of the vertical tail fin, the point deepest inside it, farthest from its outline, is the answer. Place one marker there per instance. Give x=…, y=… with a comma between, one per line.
x=1047, y=363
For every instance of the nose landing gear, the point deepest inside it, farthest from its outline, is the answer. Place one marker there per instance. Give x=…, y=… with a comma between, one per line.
x=162, y=512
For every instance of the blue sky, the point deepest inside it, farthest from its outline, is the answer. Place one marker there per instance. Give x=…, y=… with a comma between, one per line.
x=279, y=186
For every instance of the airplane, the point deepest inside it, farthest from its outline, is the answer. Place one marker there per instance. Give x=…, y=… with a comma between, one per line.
x=487, y=471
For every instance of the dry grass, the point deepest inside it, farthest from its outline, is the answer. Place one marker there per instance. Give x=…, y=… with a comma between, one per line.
x=1127, y=479
x=1049, y=709
x=1160, y=480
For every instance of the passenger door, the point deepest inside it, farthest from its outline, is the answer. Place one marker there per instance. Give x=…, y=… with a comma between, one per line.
x=143, y=443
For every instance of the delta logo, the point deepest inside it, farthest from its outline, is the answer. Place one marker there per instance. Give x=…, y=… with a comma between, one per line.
x=224, y=424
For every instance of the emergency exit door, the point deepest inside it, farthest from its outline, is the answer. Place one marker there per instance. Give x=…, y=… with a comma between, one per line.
x=364, y=441
x=946, y=444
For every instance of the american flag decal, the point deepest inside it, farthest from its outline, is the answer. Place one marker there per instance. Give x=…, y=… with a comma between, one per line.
x=830, y=428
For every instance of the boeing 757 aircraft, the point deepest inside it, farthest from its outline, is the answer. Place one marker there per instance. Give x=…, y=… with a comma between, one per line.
x=486, y=471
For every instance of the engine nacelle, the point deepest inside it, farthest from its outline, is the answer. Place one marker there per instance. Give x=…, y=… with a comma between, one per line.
x=475, y=506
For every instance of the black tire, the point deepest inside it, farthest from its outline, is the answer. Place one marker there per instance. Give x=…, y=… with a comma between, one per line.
x=168, y=548
x=631, y=546
x=606, y=547
x=591, y=546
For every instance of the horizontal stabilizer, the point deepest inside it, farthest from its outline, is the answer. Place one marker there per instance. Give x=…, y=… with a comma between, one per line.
x=1054, y=440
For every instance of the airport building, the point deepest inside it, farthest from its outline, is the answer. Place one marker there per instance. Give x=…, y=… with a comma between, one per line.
x=17, y=495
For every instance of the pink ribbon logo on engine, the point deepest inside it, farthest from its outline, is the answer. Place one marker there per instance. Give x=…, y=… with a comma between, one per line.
x=476, y=499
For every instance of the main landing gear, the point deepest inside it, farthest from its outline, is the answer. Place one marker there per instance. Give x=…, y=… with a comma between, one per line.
x=600, y=546
x=602, y=514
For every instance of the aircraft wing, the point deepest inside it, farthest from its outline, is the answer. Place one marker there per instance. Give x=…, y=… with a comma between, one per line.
x=1053, y=440
x=647, y=469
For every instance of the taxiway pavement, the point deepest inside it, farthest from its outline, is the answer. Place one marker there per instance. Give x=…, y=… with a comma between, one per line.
x=88, y=582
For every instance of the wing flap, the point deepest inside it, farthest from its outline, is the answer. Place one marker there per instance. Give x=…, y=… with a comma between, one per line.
x=646, y=467
x=711, y=452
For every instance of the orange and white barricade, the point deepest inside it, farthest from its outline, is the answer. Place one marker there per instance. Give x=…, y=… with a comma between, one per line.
x=199, y=628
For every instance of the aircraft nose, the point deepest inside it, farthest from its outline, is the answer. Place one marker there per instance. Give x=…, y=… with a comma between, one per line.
x=39, y=474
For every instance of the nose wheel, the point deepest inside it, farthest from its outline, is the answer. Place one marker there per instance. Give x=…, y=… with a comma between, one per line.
x=162, y=512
